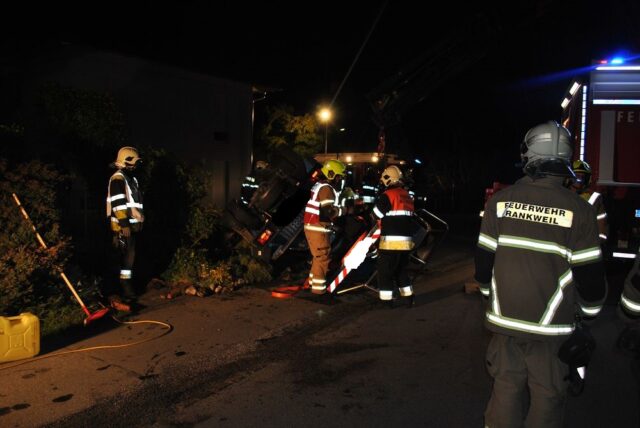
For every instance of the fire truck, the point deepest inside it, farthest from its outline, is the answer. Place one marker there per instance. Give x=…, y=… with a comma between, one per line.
x=601, y=109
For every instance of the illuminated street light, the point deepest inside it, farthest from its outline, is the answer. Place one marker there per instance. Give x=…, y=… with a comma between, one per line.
x=324, y=115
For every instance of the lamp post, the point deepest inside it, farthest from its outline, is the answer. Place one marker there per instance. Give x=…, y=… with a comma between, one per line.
x=325, y=116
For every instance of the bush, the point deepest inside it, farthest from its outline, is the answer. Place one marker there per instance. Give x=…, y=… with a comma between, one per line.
x=29, y=274
x=203, y=257
x=247, y=267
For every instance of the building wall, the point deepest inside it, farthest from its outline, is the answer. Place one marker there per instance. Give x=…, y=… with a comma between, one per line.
x=202, y=119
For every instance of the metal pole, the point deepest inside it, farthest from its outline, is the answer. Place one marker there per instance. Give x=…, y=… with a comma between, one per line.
x=326, y=124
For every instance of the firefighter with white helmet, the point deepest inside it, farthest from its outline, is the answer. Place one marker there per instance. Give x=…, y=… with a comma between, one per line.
x=394, y=209
x=125, y=212
x=538, y=261
x=582, y=186
x=321, y=210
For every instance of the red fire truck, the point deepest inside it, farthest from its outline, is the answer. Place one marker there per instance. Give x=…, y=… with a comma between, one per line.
x=602, y=110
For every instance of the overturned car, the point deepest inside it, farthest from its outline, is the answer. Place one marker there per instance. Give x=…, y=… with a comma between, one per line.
x=269, y=214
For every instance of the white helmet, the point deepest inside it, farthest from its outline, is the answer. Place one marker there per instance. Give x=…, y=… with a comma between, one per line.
x=546, y=150
x=127, y=157
x=390, y=175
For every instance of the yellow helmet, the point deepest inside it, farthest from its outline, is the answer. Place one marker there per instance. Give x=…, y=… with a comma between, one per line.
x=333, y=167
x=390, y=175
x=581, y=167
x=127, y=157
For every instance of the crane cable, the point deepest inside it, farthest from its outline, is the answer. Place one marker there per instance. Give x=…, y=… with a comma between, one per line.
x=353, y=63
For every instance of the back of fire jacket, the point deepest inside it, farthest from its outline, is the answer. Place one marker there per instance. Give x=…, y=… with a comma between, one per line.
x=535, y=236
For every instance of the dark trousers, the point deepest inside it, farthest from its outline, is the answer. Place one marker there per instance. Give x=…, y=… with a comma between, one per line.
x=392, y=272
x=529, y=387
x=123, y=254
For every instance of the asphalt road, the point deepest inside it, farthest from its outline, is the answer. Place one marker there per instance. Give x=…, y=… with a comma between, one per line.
x=249, y=360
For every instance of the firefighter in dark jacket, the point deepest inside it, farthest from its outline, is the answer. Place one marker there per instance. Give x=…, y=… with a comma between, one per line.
x=322, y=208
x=126, y=217
x=629, y=338
x=538, y=261
x=394, y=210
x=582, y=186
x=630, y=297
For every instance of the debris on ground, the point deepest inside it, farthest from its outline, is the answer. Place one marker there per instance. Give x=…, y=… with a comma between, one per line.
x=187, y=288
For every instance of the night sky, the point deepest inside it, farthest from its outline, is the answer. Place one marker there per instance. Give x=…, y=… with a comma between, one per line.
x=493, y=69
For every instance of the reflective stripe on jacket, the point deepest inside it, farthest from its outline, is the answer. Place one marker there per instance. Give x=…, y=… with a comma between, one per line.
x=124, y=202
x=395, y=209
x=595, y=199
x=630, y=298
x=538, y=233
x=322, y=194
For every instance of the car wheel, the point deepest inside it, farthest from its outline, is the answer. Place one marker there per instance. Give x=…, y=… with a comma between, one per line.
x=245, y=215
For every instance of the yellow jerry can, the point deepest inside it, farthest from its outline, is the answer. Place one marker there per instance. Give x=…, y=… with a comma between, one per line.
x=19, y=337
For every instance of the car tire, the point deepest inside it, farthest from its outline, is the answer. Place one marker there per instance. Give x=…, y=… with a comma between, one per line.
x=270, y=194
x=247, y=217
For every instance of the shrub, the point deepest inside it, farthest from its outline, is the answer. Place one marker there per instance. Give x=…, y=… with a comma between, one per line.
x=29, y=274
x=203, y=257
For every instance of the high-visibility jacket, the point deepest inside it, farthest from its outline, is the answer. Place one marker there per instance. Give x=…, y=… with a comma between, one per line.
x=539, y=259
x=630, y=298
x=124, y=202
x=323, y=196
x=595, y=199
x=395, y=209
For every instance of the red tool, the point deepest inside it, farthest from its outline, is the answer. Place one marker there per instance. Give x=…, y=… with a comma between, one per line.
x=90, y=316
x=286, y=291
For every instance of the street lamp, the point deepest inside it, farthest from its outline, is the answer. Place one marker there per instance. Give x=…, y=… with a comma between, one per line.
x=325, y=116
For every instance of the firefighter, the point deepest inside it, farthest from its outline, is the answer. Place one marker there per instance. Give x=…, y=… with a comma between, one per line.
x=394, y=210
x=629, y=338
x=581, y=185
x=322, y=209
x=538, y=261
x=126, y=217
x=630, y=298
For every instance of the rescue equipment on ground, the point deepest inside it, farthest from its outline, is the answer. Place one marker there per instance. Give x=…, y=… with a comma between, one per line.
x=356, y=255
x=168, y=327
x=19, y=337
x=286, y=291
x=90, y=316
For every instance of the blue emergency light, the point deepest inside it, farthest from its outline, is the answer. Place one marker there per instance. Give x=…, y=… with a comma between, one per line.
x=637, y=213
x=617, y=61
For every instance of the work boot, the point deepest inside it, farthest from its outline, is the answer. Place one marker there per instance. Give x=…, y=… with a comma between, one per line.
x=127, y=290
x=410, y=301
x=118, y=304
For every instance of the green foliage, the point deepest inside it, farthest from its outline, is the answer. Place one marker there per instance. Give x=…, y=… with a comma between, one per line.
x=216, y=275
x=89, y=116
x=247, y=267
x=29, y=274
x=13, y=129
x=186, y=265
x=202, y=257
x=283, y=127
